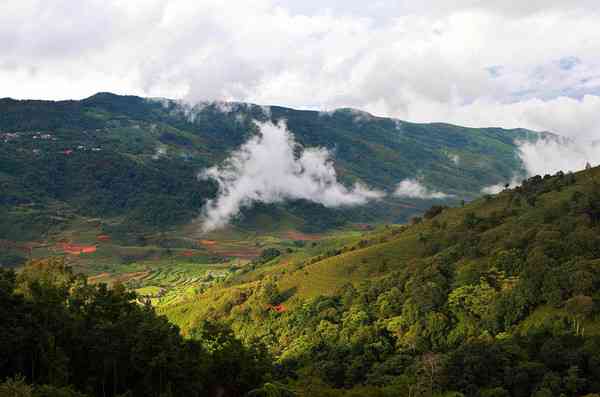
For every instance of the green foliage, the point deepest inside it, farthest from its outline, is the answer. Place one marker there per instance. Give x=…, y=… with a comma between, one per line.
x=71, y=337
x=493, y=299
x=271, y=390
x=267, y=255
x=497, y=297
x=16, y=387
x=434, y=211
x=98, y=158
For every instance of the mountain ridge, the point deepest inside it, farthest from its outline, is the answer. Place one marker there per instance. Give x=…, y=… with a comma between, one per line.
x=127, y=135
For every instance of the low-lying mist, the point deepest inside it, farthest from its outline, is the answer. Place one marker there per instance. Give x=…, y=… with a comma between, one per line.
x=272, y=167
x=413, y=188
x=548, y=156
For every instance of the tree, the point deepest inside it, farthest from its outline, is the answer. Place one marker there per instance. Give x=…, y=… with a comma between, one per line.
x=57, y=330
x=16, y=387
x=271, y=390
x=431, y=366
x=235, y=368
x=579, y=308
x=269, y=292
x=573, y=382
x=472, y=300
x=434, y=211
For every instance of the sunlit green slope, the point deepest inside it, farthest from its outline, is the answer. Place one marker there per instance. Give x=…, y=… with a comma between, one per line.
x=497, y=272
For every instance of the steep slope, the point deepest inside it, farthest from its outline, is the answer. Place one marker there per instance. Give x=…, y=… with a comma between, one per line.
x=134, y=160
x=476, y=297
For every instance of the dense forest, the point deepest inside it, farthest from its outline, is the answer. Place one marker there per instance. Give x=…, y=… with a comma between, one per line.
x=61, y=337
x=496, y=298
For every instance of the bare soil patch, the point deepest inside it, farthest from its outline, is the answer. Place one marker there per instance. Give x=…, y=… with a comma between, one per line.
x=296, y=235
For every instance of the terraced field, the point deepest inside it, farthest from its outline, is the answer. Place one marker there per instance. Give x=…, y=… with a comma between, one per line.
x=177, y=269
x=165, y=282
x=305, y=269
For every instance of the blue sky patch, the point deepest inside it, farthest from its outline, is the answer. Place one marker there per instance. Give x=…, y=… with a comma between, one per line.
x=568, y=63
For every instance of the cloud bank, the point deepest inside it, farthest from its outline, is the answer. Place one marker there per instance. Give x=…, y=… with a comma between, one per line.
x=550, y=155
x=495, y=189
x=412, y=188
x=267, y=169
x=532, y=64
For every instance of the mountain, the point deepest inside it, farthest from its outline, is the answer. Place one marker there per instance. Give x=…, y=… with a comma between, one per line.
x=133, y=162
x=495, y=296
x=500, y=297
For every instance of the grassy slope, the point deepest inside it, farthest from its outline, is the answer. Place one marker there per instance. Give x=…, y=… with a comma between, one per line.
x=387, y=250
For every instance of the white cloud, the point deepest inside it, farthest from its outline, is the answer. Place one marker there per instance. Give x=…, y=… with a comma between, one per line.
x=265, y=169
x=412, y=188
x=548, y=156
x=569, y=117
x=455, y=158
x=495, y=189
x=191, y=110
x=160, y=152
x=531, y=64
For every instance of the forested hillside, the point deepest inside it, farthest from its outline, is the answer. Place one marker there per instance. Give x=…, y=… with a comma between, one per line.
x=133, y=162
x=496, y=298
x=61, y=337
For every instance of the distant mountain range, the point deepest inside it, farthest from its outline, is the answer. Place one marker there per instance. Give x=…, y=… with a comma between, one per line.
x=133, y=162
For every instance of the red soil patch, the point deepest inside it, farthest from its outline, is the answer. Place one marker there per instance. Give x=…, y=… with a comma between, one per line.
x=188, y=253
x=295, y=235
x=74, y=249
x=103, y=237
x=278, y=308
x=208, y=243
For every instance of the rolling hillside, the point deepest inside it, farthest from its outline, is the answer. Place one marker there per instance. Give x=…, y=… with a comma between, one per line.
x=494, y=297
x=487, y=293
x=133, y=162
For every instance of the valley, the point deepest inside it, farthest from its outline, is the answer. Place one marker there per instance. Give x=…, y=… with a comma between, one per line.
x=451, y=293
x=285, y=198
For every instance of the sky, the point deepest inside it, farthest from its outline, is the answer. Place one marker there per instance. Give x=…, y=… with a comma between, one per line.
x=532, y=64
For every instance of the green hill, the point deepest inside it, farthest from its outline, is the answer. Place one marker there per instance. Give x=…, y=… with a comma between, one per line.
x=133, y=162
x=496, y=298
